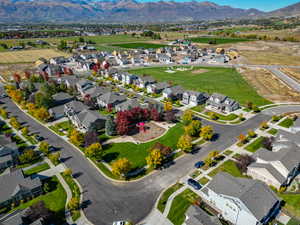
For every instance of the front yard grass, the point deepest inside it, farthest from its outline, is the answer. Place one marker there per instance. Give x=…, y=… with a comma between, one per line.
x=229, y=117
x=165, y=196
x=136, y=153
x=195, y=174
x=30, y=163
x=229, y=167
x=293, y=222
x=199, y=108
x=203, y=180
x=255, y=145
x=287, y=123
x=226, y=81
x=63, y=125
x=273, y=131
x=180, y=205
x=292, y=202
x=37, y=169
x=227, y=152
x=54, y=200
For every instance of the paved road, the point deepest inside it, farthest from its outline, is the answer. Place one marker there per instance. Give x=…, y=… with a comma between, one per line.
x=109, y=201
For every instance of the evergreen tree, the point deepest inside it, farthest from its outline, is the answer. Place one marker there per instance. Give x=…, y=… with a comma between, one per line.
x=110, y=126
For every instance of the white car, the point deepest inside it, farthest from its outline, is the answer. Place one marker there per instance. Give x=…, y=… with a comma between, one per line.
x=121, y=223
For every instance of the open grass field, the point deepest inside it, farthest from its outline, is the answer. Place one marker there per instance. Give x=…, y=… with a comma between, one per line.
x=217, y=40
x=136, y=154
x=28, y=56
x=139, y=45
x=226, y=81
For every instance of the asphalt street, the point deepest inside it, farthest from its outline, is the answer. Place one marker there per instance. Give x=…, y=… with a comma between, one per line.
x=109, y=201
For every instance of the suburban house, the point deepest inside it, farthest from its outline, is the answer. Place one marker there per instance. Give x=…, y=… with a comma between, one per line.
x=241, y=201
x=144, y=81
x=222, y=103
x=194, y=98
x=8, y=152
x=88, y=120
x=127, y=105
x=164, y=58
x=58, y=60
x=128, y=78
x=19, y=217
x=60, y=99
x=94, y=92
x=175, y=92
x=15, y=187
x=69, y=81
x=74, y=107
x=157, y=88
x=197, y=216
x=110, y=99
x=277, y=167
x=83, y=84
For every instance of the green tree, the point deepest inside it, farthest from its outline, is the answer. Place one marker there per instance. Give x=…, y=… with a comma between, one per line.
x=14, y=123
x=46, y=187
x=110, y=126
x=3, y=113
x=44, y=147
x=25, y=131
x=68, y=172
x=55, y=158
x=73, y=204
x=27, y=156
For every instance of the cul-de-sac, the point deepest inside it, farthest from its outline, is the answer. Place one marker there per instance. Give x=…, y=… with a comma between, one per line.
x=149, y=113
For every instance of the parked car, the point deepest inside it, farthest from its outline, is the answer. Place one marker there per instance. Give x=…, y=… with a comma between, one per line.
x=121, y=223
x=3, y=95
x=199, y=164
x=39, y=138
x=194, y=184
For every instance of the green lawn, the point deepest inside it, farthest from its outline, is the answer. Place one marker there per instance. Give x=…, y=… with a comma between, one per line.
x=66, y=125
x=255, y=145
x=273, y=131
x=292, y=203
x=226, y=81
x=227, y=152
x=180, y=205
x=37, y=169
x=286, y=123
x=136, y=154
x=219, y=40
x=199, y=108
x=228, y=167
x=165, y=196
x=140, y=45
x=55, y=200
x=75, y=194
x=229, y=117
x=30, y=163
x=293, y=222
x=203, y=180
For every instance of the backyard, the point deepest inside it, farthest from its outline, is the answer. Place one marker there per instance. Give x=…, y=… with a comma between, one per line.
x=226, y=81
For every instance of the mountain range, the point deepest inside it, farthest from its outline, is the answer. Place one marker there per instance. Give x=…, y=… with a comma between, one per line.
x=126, y=11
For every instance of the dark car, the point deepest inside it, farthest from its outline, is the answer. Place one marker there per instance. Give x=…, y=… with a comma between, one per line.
x=39, y=138
x=194, y=184
x=199, y=164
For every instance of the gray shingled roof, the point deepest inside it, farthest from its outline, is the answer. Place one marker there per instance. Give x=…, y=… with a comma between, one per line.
x=197, y=216
x=96, y=91
x=129, y=104
x=111, y=98
x=87, y=117
x=13, y=182
x=77, y=106
x=6, y=145
x=61, y=96
x=256, y=195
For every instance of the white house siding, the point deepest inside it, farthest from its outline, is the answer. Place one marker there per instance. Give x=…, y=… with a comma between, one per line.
x=280, y=168
x=263, y=175
x=229, y=209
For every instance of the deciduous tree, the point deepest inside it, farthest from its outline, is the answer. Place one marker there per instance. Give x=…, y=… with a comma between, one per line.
x=207, y=132
x=44, y=147
x=76, y=137
x=121, y=167
x=185, y=143
x=94, y=150
x=15, y=123
x=187, y=117
x=155, y=158
x=73, y=204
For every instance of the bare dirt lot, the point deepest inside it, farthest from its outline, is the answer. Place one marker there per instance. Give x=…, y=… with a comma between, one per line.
x=6, y=71
x=293, y=72
x=269, y=86
x=28, y=56
x=267, y=52
x=152, y=131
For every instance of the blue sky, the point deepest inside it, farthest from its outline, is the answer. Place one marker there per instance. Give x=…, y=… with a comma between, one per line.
x=265, y=5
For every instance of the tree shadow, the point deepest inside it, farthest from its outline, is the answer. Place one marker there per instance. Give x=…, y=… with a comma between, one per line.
x=109, y=157
x=65, y=159
x=78, y=174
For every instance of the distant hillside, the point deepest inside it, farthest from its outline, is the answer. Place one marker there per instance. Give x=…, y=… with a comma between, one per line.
x=292, y=10
x=116, y=11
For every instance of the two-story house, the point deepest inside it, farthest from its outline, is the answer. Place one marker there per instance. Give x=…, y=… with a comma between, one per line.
x=15, y=187
x=241, y=201
x=194, y=98
x=83, y=84
x=278, y=167
x=175, y=92
x=128, y=78
x=110, y=100
x=8, y=152
x=144, y=81
x=222, y=103
x=157, y=88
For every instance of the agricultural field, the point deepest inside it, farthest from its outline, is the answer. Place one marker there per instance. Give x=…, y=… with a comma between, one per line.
x=28, y=56
x=292, y=72
x=139, y=45
x=217, y=40
x=269, y=86
x=226, y=81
